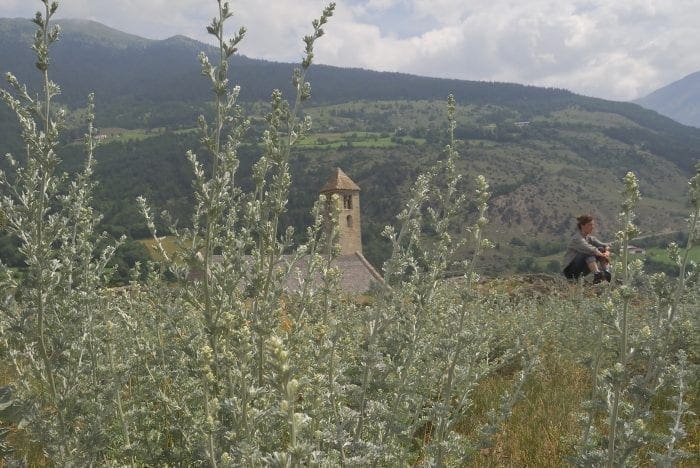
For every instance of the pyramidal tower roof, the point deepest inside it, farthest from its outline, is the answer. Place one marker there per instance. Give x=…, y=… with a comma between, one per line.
x=339, y=181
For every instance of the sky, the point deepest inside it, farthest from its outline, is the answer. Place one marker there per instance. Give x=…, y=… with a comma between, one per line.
x=612, y=49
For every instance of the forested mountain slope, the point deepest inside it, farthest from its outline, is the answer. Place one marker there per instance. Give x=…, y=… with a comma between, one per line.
x=549, y=154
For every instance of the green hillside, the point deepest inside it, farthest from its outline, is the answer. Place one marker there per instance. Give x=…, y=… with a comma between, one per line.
x=548, y=154
x=541, y=174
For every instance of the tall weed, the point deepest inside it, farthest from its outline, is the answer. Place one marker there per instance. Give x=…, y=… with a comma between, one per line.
x=645, y=332
x=52, y=322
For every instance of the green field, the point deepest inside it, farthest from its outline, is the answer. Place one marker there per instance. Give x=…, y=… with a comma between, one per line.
x=168, y=243
x=661, y=255
x=357, y=140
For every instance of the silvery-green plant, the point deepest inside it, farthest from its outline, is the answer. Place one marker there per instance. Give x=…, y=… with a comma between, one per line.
x=234, y=267
x=426, y=343
x=614, y=328
x=645, y=343
x=212, y=361
x=51, y=318
x=626, y=292
x=678, y=412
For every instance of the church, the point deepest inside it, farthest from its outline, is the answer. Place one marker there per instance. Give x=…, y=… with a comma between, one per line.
x=357, y=274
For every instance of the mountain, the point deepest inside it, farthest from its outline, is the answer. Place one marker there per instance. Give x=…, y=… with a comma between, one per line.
x=548, y=154
x=134, y=79
x=679, y=100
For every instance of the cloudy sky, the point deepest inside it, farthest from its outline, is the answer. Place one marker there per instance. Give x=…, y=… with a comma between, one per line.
x=614, y=49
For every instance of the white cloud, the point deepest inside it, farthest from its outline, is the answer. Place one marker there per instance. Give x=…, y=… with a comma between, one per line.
x=614, y=49
x=618, y=50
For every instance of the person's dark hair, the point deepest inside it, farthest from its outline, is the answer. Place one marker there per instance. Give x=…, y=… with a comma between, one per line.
x=583, y=219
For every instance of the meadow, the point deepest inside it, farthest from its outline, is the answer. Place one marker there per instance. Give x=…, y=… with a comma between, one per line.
x=660, y=255
x=357, y=140
x=227, y=367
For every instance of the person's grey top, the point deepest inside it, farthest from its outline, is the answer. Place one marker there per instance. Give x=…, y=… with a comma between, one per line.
x=581, y=245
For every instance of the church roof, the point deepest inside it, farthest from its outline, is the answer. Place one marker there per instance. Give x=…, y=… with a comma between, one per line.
x=339, y=181
x=357, y=275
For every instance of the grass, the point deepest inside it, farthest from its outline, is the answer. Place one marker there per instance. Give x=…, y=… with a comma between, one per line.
x=359, y=115
x=123, y=135
x=544, y=428
x=357, y=140
x=661, y=255
x=576, y=115
x=535, y=434
x=168, y=242
x=138, y=134
x=544, y=425
x=326, y=140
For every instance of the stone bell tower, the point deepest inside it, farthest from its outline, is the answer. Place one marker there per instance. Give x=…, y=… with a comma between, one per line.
x=349, y=211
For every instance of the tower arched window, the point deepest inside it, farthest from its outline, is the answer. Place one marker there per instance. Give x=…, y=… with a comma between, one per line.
x=349, y=220
x=347, y=202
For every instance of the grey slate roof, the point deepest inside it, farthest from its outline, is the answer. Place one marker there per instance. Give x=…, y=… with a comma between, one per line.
x=357, y=275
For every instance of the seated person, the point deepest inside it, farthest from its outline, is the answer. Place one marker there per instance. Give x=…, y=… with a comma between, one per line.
x=586, y=254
